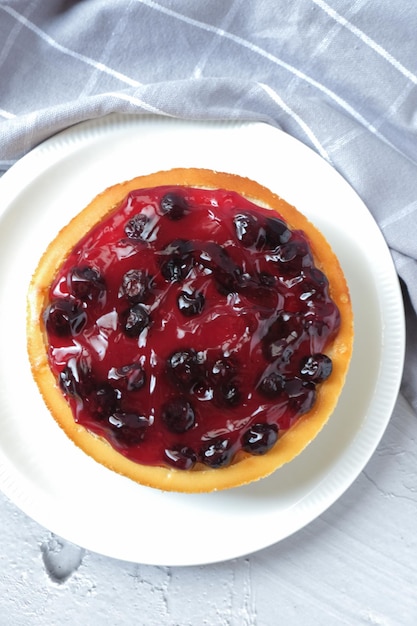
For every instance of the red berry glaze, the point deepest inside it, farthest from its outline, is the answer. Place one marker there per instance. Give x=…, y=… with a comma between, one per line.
x=188, y=325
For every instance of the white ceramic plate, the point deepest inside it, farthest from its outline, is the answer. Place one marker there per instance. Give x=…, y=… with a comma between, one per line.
x=67, y=492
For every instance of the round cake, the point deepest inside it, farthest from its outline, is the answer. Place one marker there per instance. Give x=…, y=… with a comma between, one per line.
x=190, y=330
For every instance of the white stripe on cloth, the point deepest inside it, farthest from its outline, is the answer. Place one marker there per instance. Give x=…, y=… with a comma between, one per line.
x=273, y=59
x=366, y=39
x=13, y=34
x=307, y=130
x=64, y=50
x=138, y=102
x=399, y=215
x=7, y=114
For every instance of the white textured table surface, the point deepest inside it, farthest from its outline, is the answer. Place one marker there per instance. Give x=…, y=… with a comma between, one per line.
x=339, y=76
x=356, y=564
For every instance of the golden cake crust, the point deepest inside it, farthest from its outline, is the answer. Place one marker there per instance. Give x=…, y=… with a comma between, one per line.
x=245, y=468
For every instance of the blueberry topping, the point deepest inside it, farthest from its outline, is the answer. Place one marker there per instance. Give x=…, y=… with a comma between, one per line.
x=216, y=453
x=85, y=283
x=282, y=336
x=77, y=381
x=65, y=318
x=67, y=382
x=174, y=206
x=175, y=269
x=184, y=366
x=135, y=320
x=247, y=229
x=102, y=400
x=132, y=376
x=229, y=394
x=223, y=368
x=276, y=233
x=309, y=290
x=318, y=277
x=260, y=438
x=301, y=394
x=135, y=228
x=128, y=428
x=272, y=385
x=202, y=389
x=261, y=295
x=180, y=457
x=190, y=304
x=222, y=375
x=135, y=285
x=321, y=316
x=176, y=260
x=266, y=279
x=293, y=254
x=316, y=367
x=178, y=415
x=225, y=271
x=159, y=393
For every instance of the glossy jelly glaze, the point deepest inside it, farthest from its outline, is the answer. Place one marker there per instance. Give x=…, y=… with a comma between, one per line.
x=188, y=325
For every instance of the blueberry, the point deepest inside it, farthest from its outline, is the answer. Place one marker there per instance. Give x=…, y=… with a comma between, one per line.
x=135, y=320
x=229, y=394
x=128, y=428
x=76, y=380
x=276, y=233
x=132, y=376
x=294, y=256
x=321, y=316
x=309, y=290
x=184, y=367
x=135, y=285
x=202, y=390
x=65, y=318
x=227, y=283
x=261, y=295
x=174, y=206
x=136, y=227
x=272, y=385
x=316, y=367
x=247, y=229
x=67, y=382
x=223, y=368
x=282, y=334
x=260, y=438
x=266, y=279
x=293, y=251
x=102, y=400
x=176, y=260
x=178, y=415
x=222, y=375
x=225, y=271
x=318, y=277
x=216, y=453
x=280, y=351
x=190, y=304
x=180, y=457
x=301, y=395
x=85, y=283
x=175, y=269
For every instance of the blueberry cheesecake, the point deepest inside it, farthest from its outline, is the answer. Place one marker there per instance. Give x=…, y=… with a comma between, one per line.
x=194, y=335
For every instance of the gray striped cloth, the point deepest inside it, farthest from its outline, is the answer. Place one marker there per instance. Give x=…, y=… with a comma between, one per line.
x=339, y=76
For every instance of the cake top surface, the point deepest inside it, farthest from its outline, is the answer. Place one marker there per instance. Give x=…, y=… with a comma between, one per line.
x=188, y=325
